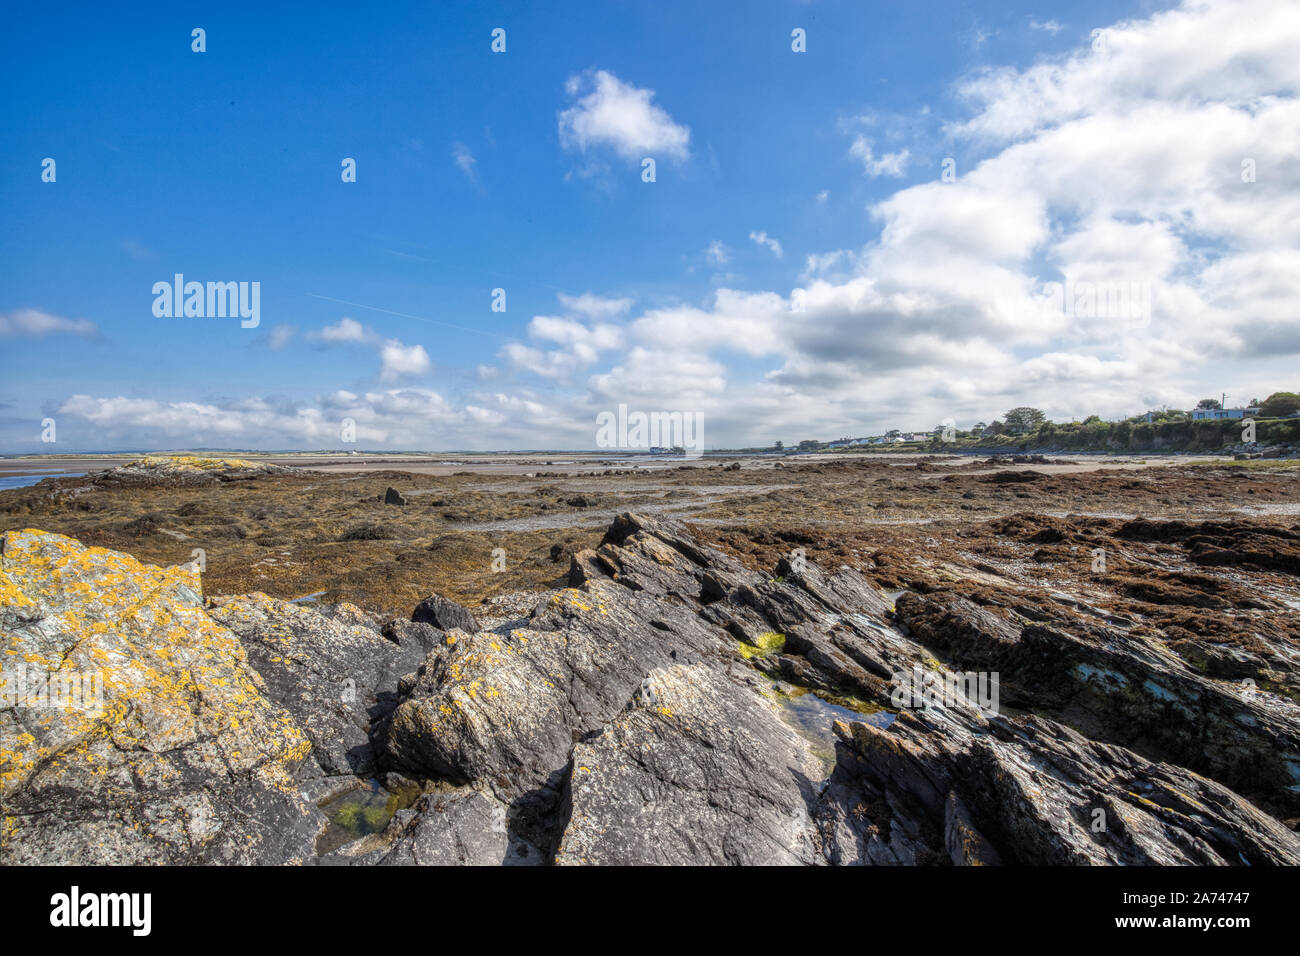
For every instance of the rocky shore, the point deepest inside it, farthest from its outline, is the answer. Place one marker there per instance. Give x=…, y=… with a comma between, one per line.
x=646, y=709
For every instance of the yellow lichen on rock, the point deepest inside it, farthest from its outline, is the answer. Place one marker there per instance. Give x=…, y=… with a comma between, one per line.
x=195, y=461
x=170, y=676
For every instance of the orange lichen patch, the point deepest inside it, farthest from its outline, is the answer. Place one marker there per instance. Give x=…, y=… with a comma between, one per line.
x=171, y=676
x=580, y=600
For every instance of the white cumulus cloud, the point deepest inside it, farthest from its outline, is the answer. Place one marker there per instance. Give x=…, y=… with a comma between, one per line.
x=400, y=360
x=620, y=116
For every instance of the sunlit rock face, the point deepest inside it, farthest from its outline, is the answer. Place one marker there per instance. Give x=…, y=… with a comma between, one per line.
x=181, y=470
x=169, y=753
x=641, y=715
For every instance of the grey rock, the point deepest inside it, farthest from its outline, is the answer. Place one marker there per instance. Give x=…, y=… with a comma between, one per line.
x=183, y=758
x=331, y=668
x=698, y=770
x=506, y=709
x=444, y=614
x=175, y=471
x=618, y=723
x=464, y=827
x=1123, y=689
x=413, y=634
x=1029, y=791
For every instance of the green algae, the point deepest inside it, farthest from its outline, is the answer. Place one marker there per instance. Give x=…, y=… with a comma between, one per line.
x=360, y=812
x=764, y=645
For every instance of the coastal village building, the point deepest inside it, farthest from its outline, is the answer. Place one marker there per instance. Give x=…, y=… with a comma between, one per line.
x=1213, y=414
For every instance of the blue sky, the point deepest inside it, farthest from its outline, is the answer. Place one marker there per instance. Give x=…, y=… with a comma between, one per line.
x=522, y=171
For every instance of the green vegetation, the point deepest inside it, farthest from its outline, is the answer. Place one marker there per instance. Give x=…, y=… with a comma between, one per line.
x=1166, y=430
x=1025, y=420
x=1279, y=405
x=1255, y=464
x=1136, y=435
x=1170, y=432
x=764, y=644
x=362, y=819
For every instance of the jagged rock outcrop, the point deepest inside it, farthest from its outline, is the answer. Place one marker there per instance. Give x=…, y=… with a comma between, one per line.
x=1122, y=688
x=334, y=671
x=182, y=470
x=834, y=633
x=504, y=709
x=836, y=636
x=178, y=756
x=1028, y=791
x=634, y=717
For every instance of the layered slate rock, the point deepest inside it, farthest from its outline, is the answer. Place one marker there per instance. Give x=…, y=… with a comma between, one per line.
x=503, y=709
x=635, y=717
x=187, y=470
x=506, y=708
x=188, y=761
x=880, y=808
x=834, y=629
x=1122, y=688
x=332, y=669
x=700, y=769
x=489, y=708
x=1028, y=791
x=657, y=558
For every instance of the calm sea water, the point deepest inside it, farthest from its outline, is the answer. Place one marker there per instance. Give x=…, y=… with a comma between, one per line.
x=22, y=481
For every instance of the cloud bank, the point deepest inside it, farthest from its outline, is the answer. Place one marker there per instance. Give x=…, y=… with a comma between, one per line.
x=1157, y=158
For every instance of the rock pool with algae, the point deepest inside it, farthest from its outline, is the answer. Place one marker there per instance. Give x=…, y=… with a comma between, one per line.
x=359, y=812
x=813, y=715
